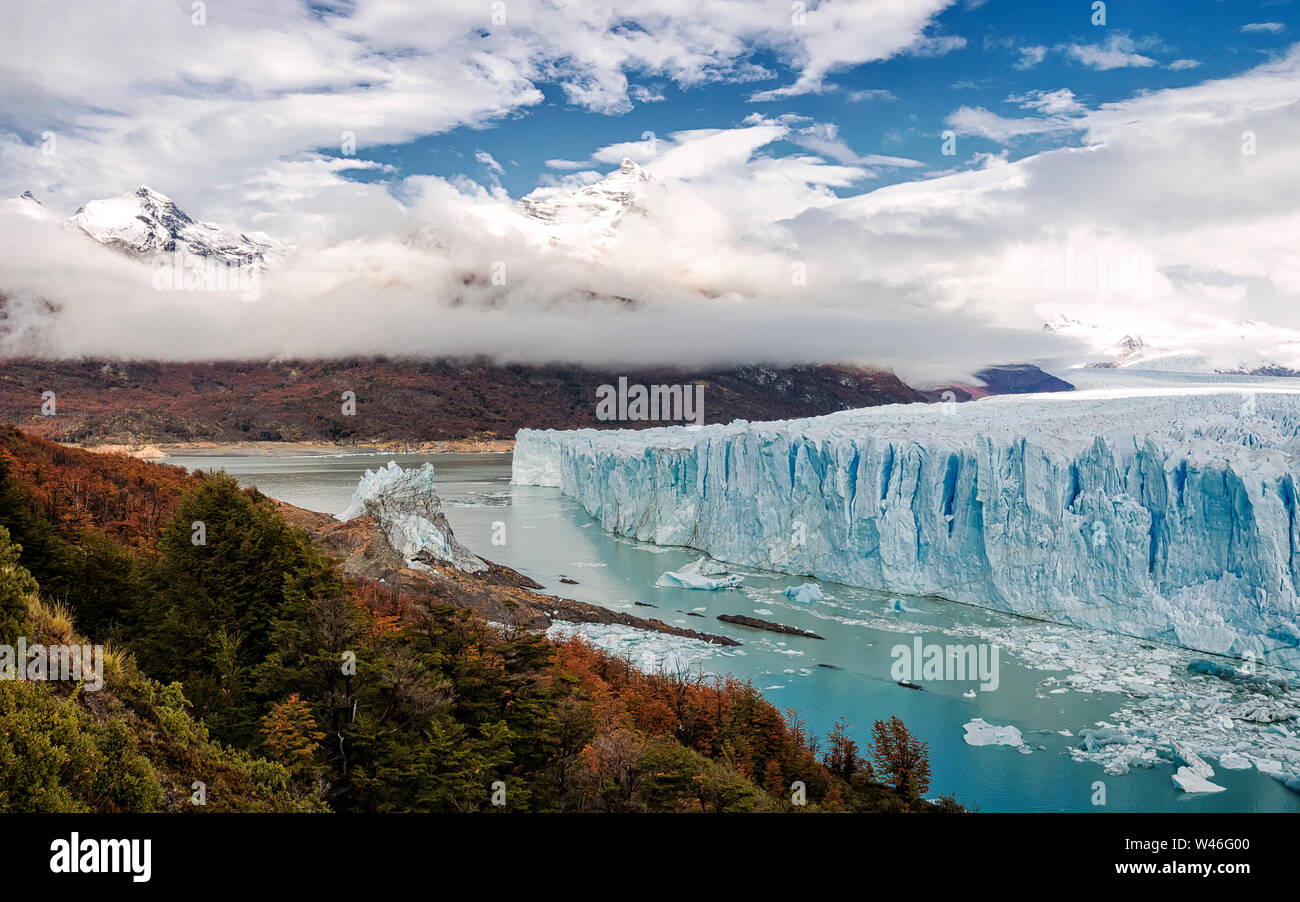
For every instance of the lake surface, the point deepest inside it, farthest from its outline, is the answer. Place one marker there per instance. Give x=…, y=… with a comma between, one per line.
x=1051, y=679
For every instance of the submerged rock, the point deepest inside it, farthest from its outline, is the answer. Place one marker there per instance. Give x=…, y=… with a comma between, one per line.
x=768, y=625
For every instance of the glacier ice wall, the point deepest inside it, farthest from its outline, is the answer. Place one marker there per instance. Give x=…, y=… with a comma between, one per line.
x=1171, y=517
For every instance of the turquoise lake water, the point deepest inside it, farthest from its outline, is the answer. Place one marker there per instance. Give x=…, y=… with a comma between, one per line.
x=1050, y=679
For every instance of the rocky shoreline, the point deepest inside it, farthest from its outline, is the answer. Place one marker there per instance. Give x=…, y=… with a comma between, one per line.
x=161, y=451
x=497, y=594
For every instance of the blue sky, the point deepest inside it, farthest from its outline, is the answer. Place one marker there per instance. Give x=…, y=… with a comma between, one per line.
x=897, y=106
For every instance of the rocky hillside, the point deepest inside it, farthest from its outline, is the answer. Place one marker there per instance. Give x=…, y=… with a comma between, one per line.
x=112, y=402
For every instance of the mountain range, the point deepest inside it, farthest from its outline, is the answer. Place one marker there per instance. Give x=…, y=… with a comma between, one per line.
x=146, y=222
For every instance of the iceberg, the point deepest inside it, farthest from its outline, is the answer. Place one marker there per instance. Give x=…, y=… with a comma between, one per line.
x=980, y=732
x=1189, y=781
x=1191, y=761
x=805, y=594
x=699, y=574
x=406, y=506
x=1168, y=514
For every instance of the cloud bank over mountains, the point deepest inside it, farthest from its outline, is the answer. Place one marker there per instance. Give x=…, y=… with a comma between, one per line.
x=1168, y=215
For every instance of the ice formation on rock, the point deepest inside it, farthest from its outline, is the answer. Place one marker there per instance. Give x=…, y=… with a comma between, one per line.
x=1168, y=514
x=406, y=506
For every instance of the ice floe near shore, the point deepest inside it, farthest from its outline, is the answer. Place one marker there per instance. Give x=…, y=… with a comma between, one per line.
x=650, y=652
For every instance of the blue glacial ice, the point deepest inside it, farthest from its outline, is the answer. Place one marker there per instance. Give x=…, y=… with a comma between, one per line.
x=805, y=594
x=1167, y=514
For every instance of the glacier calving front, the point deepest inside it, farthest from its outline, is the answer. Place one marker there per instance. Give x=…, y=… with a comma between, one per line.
x=1171, y=517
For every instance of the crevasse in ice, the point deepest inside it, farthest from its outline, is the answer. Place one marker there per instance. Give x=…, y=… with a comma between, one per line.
x=1169, y=516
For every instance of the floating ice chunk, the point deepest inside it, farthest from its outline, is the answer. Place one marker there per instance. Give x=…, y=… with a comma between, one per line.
x=980, y=732
x=1233, y=761
x=1194, y=763
x=1189, y=781
x=1259, y=710
x=968, y=694
x=1269, y=685
x=1092, y=740
x=700, y=574
x=805, y=594
x=897, y=606
x=1268, y=766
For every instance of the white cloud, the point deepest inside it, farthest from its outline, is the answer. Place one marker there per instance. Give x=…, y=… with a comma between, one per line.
x=1155, y=180
x=937, y=45
x=1031, y=56
x=1118, y=51
x=986, y=124
x=1263, y=28
x=209, y=111
x=1050, y=102
x=489, y=161
x=1180, y=65
x=870, y=94
x=823, y=138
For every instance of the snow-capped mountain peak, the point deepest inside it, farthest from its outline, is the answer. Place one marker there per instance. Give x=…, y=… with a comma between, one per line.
x=590, y=214
x=27, y=205
x=146, y=222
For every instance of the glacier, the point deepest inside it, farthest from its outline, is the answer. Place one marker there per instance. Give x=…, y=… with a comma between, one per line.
x=1168, y=514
